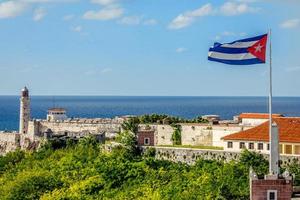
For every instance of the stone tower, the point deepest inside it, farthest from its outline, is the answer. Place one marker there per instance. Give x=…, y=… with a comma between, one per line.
x=24, y=111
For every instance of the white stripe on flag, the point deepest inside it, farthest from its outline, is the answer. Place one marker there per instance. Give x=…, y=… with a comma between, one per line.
x=240, y=44
x=226, y=56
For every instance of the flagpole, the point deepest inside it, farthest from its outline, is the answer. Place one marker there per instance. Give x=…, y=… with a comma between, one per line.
x=273, y=129
x=270, y=83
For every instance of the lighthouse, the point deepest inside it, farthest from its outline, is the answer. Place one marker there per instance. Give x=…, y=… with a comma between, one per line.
x=24, y=111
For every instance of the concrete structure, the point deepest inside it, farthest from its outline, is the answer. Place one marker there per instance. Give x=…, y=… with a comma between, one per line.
x=257, y=138
x=255, y=119
x=24, y=111
x=56, y=114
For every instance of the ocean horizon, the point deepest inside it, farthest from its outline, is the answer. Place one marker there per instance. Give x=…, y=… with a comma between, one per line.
x=111, y=106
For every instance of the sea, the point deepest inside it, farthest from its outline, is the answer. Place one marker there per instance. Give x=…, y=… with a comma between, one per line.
x=111, y=106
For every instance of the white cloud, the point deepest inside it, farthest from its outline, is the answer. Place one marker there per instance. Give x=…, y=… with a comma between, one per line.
x=229, y=8
x=104, y=2
x=291, y=23
x=9, y=9
x=150, y=22
x=39, y=14
x=232, y=8
x=187, y=18
x=181, y=50
x=77, y=29
x=107, y=13
x=68, y=17
x=14, y=8
x=131, y=20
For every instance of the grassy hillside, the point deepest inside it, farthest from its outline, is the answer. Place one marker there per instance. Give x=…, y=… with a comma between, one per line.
x=85, y=171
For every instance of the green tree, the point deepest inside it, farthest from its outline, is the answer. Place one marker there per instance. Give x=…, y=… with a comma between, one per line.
x=131, y=125
x=255, y=160
x=176, y=136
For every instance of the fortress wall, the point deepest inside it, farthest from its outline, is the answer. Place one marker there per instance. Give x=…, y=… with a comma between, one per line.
x=189, y=155
x=163, y=135
x=95, y=128
x=192, y=134
x=196, y=135
x=9, y=142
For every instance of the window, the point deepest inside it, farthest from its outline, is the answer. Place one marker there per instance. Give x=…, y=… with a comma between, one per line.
x=268, y=146
x=272, y=194
x=260, y=146
x=242, y=145
x=288, y=149
x=146, y=141
x=251, y=145
x=229, y=145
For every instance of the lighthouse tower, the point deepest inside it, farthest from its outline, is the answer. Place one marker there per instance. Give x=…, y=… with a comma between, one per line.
x=24, y=111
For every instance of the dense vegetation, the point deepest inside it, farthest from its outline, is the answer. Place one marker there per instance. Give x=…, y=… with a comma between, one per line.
x=165, y=119
x=85, y=171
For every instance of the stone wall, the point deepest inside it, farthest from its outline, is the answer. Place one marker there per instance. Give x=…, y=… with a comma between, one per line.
x=192, y=134
x=38, y=128
x=9, y=142
x=163, y=135
x=196, y=135
x=190, y=155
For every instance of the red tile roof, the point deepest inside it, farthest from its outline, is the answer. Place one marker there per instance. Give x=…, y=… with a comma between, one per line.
x=289, y=131
x=258, y=115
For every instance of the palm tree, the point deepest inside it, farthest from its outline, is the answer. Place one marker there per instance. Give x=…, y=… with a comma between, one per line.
x=131, y=125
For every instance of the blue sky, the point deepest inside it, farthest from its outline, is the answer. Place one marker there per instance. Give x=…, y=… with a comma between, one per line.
x=142, y=47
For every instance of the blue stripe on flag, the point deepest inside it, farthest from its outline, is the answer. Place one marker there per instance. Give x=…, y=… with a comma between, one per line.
x=250, y=39
x=228, y=50
x=238, y=62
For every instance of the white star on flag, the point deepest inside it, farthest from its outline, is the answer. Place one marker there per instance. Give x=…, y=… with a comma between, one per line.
x=258, y=48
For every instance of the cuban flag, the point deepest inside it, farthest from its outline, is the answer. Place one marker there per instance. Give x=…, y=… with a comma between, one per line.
x=241, y=52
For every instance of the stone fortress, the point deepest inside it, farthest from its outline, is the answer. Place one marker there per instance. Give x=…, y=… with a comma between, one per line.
x=217, y=133
x=57, y=124
x=33, y=131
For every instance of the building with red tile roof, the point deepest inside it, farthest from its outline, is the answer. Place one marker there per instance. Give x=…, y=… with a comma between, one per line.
x=257, y=138
x=255, y=119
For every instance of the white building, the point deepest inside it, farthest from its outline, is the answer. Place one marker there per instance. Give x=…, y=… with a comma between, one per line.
x=56, y=114
x=255, y=119
x=257, y=138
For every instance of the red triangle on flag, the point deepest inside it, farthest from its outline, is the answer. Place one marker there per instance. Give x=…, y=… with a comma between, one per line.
x=259, y=49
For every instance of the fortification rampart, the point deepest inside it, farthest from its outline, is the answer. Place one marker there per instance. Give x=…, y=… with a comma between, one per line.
x=190, y=155
x=9, y=142
x=80, y=127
